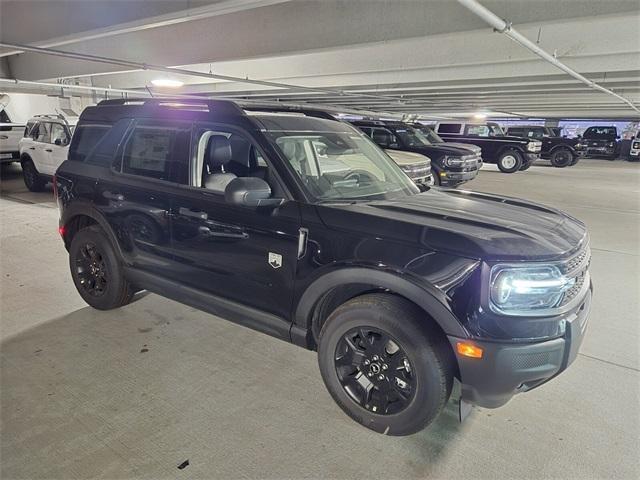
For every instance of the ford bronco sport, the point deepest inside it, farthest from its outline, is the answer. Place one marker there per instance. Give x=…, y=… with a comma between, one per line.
x=302, y=228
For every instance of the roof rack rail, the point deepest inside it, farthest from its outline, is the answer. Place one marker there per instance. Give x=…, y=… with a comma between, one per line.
x=218, y=106
x=274, y=108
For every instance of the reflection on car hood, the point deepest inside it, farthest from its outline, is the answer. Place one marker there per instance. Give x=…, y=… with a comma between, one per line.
x=407, y=158
x=475, y=225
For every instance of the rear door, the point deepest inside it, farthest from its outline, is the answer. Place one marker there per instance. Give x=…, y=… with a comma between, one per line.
x=247, y=255
x=135, y=195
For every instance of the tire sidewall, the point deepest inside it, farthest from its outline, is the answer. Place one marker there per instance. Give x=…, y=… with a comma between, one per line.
x=426, y=402
x=507, y=153
x=29, y=170
x=559, y=164
x=436, y=178
x=115, y=280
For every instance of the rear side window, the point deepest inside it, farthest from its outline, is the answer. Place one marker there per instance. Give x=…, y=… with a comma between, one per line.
x=516, y=132
x=4, y=118
x=449, y=128
x=85, y=138
x=160, y=152
x=28, y=128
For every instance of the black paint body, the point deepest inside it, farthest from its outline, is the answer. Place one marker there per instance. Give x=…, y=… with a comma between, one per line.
x=551, y=142
x=434, y=248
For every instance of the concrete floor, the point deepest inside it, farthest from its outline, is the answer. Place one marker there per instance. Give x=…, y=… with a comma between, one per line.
x=133, y=393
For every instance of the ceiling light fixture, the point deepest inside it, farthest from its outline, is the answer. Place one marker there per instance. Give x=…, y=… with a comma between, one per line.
x=167, y=82
x=480, y=116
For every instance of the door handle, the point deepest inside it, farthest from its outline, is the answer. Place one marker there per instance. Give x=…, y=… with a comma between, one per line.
x=4, y=137
x=118, y=197
x=32, y=148
x=190, y=213
x=213, y=233
x=48, y=150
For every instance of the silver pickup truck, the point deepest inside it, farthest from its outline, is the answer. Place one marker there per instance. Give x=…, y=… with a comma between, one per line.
x=10, y=135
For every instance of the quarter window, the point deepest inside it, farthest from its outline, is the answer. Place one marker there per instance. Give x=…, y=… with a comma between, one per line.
x=449, y=128
x=158, y=152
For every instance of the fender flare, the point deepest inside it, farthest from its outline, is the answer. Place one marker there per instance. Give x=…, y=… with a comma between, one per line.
x=515, y=148
x=86, y=209
x=427, y=297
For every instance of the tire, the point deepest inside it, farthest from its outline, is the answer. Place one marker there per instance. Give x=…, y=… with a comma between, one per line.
x=575, y=160
x=32, y=178
x=509, y=161
x=421, y=367
x=96, y=270
x=436, y=178
x=525, y=166
x=562, y=157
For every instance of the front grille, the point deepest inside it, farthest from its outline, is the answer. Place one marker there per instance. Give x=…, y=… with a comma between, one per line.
x=576, y=267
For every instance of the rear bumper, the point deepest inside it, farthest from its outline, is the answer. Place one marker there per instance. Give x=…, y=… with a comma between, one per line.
x=9, y=156
x=506, y=369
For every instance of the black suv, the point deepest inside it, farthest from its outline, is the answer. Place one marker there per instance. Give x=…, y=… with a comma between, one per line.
x=302, y=228
x=601, y=141
x=451, y=166
x=562, y=151
x=509, y=153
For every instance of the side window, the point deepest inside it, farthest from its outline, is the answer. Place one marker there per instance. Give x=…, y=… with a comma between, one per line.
x=477, y=130
x=85, y=139
x=449, y=127
x=222, y=155
x=383, y=137
x=58, y=132
x=44, y=133
x=27, y=128
x=516, y=132
x=158, y=151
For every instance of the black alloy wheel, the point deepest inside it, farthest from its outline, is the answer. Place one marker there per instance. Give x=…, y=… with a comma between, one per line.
x=92, y=270
x=562, y=157
x=374, y=370
x=32, y=179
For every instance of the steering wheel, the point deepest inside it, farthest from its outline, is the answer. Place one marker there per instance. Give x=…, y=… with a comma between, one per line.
x=360, y=176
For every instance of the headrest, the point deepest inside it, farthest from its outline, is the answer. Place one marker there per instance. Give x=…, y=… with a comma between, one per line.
x=218, y=151
x=382, y=137
x=290, y=149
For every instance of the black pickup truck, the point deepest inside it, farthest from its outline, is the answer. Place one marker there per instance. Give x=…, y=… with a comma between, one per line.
x=562, y=151
x=451, y=166
x=601, y=141
x=509, y=153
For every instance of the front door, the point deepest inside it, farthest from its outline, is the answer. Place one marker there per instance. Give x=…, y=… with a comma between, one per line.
x=247, y=255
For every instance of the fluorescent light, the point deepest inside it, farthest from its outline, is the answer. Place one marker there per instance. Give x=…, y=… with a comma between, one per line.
x=480, y=116
x=167, y=82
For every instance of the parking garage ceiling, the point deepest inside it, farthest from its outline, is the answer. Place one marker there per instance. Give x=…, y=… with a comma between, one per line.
x=431, y=58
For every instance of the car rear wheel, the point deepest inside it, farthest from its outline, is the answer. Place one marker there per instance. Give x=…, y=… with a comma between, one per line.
x=384, y=365
x=96, y=270
x=509, y=161
x=32, y=178
x=562, y=157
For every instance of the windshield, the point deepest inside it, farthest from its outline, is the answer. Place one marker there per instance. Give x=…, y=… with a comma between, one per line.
x=340, y=165
x=430, y=135
x=411, y=137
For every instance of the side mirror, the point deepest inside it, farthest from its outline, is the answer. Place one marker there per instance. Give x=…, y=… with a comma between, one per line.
x=58, y=141
x=250, y=192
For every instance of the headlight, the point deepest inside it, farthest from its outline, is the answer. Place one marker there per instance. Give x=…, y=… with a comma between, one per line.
x=522, y=290
x=453, y=161
x=531, y=146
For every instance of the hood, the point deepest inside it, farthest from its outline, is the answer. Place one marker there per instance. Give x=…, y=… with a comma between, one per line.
x=465, y=146
x=470, y=224
x=434, y=151
x=407, y=158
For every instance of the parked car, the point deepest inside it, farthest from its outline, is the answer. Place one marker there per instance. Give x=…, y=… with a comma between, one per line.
x=562, y=151
x=634, y=151
x=43, y=148
x=509, y=153
x=451, y=166
x=10, y=135
x=601, y=141
x=399, y=291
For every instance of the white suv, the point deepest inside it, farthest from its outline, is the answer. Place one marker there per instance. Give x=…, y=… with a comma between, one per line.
x=43, y=148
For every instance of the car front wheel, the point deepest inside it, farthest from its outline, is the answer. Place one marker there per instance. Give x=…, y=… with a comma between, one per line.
x=509, y=161
x=384, y=364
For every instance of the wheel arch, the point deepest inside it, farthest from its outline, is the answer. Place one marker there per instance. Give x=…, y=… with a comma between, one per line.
x=516, y=148
x=329, y=291
x=561, y=146
x=79, y=216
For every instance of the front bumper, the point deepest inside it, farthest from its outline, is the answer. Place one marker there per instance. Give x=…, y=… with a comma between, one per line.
x=532, y=157
x=448, y=178
x=506, y=369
